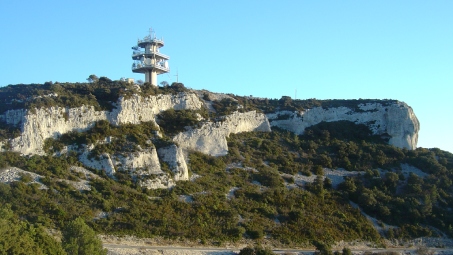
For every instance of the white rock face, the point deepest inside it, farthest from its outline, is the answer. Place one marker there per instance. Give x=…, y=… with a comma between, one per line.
x=138, y=163
x=13, y=117
x=143, y=165
x=397, y=120
x=211, y=137
x=50, y=122
x=104, y=162
x=174, y=157
x=137, y=109
x=40, y=124
x=159, y=182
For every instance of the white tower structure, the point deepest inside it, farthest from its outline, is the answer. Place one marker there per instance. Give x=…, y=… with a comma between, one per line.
x=148, y=59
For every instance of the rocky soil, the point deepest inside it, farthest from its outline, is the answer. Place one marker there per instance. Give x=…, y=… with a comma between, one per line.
x=159, y=246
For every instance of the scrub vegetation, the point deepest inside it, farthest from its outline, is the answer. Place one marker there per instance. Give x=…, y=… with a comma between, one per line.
x=251, y=193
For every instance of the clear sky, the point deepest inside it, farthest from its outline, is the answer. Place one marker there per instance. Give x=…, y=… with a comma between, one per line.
x=345, y=49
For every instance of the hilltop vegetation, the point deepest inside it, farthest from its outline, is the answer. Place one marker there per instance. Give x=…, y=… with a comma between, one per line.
x=250, y=193
x=102, y=94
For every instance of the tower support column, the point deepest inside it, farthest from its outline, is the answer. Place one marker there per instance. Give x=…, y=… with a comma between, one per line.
x=151, y=77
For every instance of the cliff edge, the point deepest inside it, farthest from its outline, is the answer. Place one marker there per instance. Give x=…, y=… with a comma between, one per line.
x=396, y=120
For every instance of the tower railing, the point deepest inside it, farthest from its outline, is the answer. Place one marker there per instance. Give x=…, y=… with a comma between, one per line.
x=138, y=66
x=149, y=39
x=140, y=53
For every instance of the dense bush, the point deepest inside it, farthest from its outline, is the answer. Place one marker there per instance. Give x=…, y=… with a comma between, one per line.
x=20, y=237
x=253, y=192
x=287, y=103
x=258, y=250
x=79, y=238
x=102, y=94
x=249, y=200
x=174, y=121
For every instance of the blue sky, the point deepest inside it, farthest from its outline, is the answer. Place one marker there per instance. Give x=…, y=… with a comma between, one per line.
x=323, y=49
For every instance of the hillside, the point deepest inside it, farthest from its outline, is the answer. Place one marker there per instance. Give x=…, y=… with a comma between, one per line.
x=213, y=168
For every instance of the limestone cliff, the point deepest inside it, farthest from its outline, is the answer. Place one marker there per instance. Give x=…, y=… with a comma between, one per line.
x=174, y=157
x=138, y=163
x=392, y=118
x=39, y=124
x=143, y=165
x=43, y=123
x=49, y=122
x=137, y=109
x=395, y=119
x=211, y=137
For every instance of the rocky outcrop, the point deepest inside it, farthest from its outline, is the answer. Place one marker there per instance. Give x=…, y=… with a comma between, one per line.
x=138, y=163
x=40, y=124
x=210, y=138
x=49, y=122
x=13, y=117
x=174, y=157
x=12, y=174
x=157, y=182
x=137, y=109
x=103, y=162
x=395, y=119
x=143, y=165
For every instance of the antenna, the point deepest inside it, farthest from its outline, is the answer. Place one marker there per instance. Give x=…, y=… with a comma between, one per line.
x=177, y=75
x=295, y=94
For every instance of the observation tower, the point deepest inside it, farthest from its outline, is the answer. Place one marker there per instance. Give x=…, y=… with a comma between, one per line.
x=148, y=59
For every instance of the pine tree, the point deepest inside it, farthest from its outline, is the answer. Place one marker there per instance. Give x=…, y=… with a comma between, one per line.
x=20, y=237
x=80, y=239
